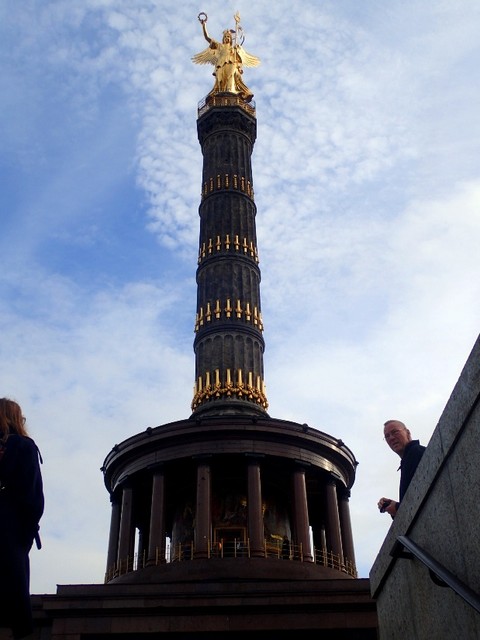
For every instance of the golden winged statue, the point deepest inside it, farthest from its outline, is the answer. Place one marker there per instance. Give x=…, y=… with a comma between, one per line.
x=228, y=57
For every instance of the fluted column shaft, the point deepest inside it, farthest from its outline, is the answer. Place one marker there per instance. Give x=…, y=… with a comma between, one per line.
x=156, y=547
x=229, y=342
x=114, y=533
x=346, y=528
x=255, y=510
x=334, y=538
x=126, y=540
x=300, y=506
x=203, y=510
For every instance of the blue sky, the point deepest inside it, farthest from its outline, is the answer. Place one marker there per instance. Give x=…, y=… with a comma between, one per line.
x=367, y=185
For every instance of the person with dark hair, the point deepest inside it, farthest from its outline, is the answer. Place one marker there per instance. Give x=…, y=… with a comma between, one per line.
x=399, y=439
x=21, y=507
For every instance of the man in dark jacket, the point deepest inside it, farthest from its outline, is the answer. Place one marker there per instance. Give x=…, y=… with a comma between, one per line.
x=399, y=439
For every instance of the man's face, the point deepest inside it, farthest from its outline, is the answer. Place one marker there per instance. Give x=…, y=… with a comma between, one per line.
x=397, y=437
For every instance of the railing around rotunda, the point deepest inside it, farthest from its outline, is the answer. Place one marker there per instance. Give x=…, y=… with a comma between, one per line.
x=183, y=552
x=225, y=100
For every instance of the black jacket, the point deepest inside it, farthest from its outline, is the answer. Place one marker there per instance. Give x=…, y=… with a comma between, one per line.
x=21, y=507
x=411, y=457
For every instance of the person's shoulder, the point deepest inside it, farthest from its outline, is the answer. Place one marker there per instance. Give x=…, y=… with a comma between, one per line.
x=417, y=448
x=24, y=443
x=415, y=444
x=413, y=450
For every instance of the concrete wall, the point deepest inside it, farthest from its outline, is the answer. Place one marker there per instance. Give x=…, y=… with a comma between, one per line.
x=440, y=513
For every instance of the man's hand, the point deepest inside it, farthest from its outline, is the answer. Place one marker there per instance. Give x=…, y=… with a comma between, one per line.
x=387, y=505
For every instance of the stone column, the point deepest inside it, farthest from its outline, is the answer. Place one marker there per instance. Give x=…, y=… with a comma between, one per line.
x=113, y=537
x=254, y=506
x=334, y=539
x=300, y=506
x=203, y=510
x=126, y=539
x=156, y=542
x=141, y=551
x=346, y=527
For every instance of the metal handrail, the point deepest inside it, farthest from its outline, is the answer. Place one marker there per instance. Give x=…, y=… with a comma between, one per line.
x=443, y=577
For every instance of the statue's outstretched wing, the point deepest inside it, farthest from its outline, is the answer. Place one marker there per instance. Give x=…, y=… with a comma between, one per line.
x=207, y=56
x=247, y=59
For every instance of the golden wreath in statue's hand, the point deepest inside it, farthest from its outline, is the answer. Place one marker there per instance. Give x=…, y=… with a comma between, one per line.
x=202, y=17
